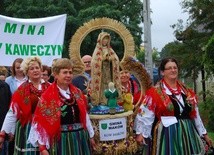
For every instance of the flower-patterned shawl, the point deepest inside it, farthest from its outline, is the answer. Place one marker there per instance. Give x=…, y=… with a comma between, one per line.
x=161, y=103
x=25, y=99
x=48, y=112
x=98, y=69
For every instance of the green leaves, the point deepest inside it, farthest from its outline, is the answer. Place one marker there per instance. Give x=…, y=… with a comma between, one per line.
x=79, y=12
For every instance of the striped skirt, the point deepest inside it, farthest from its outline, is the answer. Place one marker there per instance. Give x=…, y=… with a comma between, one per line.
x=21, y=146
x=74, y=142
x=181, y=138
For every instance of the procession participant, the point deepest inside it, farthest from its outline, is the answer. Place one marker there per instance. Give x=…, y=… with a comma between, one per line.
x=178, y=127
x=23, y=104
x=61, y=125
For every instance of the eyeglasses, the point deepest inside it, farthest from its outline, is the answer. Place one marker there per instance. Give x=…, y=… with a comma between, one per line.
x=44, y=74
x=171, y=68
x=87, y=62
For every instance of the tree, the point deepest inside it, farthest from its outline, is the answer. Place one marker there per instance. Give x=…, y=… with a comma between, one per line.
x=197, y=35
x=141, y=56
x=79, y=12
x=209, y=56
x=42, y=8
x=155, y=56
x=201, y=14
x=120, y=10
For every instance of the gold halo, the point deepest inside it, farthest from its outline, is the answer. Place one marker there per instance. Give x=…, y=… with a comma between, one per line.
x=94, y=24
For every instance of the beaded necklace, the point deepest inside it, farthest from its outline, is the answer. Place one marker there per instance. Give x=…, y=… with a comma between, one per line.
x=36, y=91
x=176, y=91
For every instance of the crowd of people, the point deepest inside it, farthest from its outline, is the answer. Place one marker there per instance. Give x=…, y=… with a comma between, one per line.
x=45, y=117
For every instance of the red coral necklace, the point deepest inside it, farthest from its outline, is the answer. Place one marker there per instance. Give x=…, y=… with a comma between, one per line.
x=173, y=91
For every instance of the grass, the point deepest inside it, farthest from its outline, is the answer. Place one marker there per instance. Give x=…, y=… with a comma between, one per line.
x=205, y=117
x=211, y=135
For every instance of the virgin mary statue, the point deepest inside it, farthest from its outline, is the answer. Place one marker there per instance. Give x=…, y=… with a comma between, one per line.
x=104, y=69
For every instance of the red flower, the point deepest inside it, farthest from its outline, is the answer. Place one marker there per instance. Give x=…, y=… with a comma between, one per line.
x=97, y=88
x=97, y=65
x=98, y=73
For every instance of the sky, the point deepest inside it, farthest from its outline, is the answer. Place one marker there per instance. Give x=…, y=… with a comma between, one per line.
x=164, y=13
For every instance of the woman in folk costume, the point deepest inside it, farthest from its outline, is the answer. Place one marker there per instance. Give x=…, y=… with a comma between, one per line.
x=130, y=91
x=178, y=127
x=61, y=125
x=23, y=104
x=104, y=69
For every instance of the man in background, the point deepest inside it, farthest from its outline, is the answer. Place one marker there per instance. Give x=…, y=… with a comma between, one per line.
x=82, y=81
x=87, y=62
